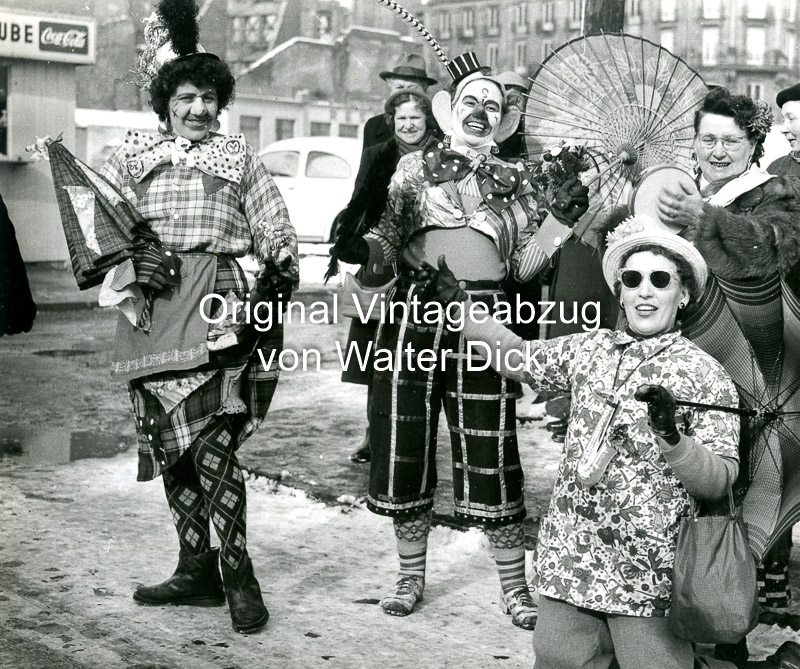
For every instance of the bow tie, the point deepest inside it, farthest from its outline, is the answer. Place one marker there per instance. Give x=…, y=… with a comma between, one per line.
x=217, y=155
x=500, y=184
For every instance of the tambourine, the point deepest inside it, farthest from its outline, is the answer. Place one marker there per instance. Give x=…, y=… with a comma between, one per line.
x=648, y=185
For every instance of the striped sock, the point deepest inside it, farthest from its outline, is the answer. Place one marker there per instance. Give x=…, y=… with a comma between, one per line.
x=412, y=543
x=508, y=545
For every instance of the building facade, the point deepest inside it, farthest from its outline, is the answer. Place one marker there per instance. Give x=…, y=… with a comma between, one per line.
x=749, y=46
x=39, y=54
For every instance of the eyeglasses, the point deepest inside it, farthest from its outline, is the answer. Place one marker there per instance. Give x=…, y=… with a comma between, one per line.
x=659, y=278
x=728, y=143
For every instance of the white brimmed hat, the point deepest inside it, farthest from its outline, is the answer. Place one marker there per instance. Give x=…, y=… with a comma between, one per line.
x=638, y=231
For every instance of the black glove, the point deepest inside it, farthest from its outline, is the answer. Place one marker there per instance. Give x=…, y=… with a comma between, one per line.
x=354, y=250
x=275, y=284
x=571, y=202
x=660, y=411
x=448, y=288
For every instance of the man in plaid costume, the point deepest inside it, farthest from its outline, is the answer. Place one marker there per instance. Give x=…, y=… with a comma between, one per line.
x=480, y=211
x=162, y=227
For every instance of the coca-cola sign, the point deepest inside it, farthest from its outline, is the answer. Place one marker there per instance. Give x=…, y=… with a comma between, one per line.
x=63, y=37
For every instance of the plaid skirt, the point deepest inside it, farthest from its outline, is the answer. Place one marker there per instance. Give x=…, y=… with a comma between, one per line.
x=480, y=407
x=164, y=436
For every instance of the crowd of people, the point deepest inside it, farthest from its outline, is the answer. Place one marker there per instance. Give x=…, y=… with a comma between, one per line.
x=444, y=209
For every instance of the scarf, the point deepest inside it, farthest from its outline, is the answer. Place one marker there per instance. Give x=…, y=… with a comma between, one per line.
x=721, y=194
x=404, y=147
x=217, y=155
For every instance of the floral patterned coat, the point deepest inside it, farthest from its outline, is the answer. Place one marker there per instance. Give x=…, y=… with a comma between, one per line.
x=611, y=547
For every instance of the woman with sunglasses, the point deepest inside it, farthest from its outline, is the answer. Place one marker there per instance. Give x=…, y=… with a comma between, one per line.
x=746, y=224
x=607, y=543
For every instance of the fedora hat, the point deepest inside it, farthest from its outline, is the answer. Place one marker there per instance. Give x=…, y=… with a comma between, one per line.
x=409, y=66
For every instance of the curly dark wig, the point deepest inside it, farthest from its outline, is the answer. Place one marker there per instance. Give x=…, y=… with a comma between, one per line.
x=199, y=69
x=741, y=109
x=685, y=273
x=401, y=97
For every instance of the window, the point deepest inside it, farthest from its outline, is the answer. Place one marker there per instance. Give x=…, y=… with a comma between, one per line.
x=520, y=55
x=711, y=9
x=444, y=25
x=281, y=163
x=755, y=38
x=521, y=14
x=284, y=128
x=321, y=165
x=633, y=8
x=348, y=130
x=791, y=11
x=667, y=10
x=668, y=40
x=238, y=30
x=270, y=28
x=250, y=127
x=3, y=110
x=754, y=91
x=575, y=13
x=791, y=49
x=319, y=129
x=492, y=53
x=547, y=15
x=469, y=22
x=493, y=19
x=710, y=46
x=756, y=9
x=252, y=30
x=547, y=49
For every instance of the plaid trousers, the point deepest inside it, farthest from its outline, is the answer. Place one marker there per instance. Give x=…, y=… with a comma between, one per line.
x=480, y=407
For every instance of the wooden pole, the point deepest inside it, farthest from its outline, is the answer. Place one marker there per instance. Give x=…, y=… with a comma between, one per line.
x=603, y=16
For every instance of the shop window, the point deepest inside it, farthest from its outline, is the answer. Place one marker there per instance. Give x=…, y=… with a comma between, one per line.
x=250, y=126
x=348, y=130
x=319, y=129
x=3, y=110
x=284, y=128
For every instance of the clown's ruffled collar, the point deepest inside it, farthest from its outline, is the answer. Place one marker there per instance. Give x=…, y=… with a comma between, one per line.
x=217, y=155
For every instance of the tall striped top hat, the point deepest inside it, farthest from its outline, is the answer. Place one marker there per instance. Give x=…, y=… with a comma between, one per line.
x=463, y=65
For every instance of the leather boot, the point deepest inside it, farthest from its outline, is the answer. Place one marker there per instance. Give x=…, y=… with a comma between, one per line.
x=248, y=613
x=196, y=582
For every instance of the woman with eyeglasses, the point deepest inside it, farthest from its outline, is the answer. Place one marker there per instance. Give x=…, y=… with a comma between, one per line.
x=746, y=224
x=607, y=543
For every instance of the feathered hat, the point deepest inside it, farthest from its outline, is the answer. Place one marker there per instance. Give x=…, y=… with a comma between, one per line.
x=171, y=33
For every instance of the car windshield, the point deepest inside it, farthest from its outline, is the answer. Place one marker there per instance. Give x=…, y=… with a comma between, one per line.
x=322, y=165
x=282, y=163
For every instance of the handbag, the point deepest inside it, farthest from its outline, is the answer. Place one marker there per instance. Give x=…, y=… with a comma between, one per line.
x=364, y=302
x=714, y=587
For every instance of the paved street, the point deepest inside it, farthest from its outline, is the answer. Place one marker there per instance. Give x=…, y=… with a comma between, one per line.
x=79, y=533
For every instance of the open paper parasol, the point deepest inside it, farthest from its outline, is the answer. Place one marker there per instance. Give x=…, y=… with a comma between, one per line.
x=628, y=102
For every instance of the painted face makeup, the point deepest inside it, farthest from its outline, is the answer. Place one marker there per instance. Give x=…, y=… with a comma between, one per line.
x=477, y=112
x=192, y=110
